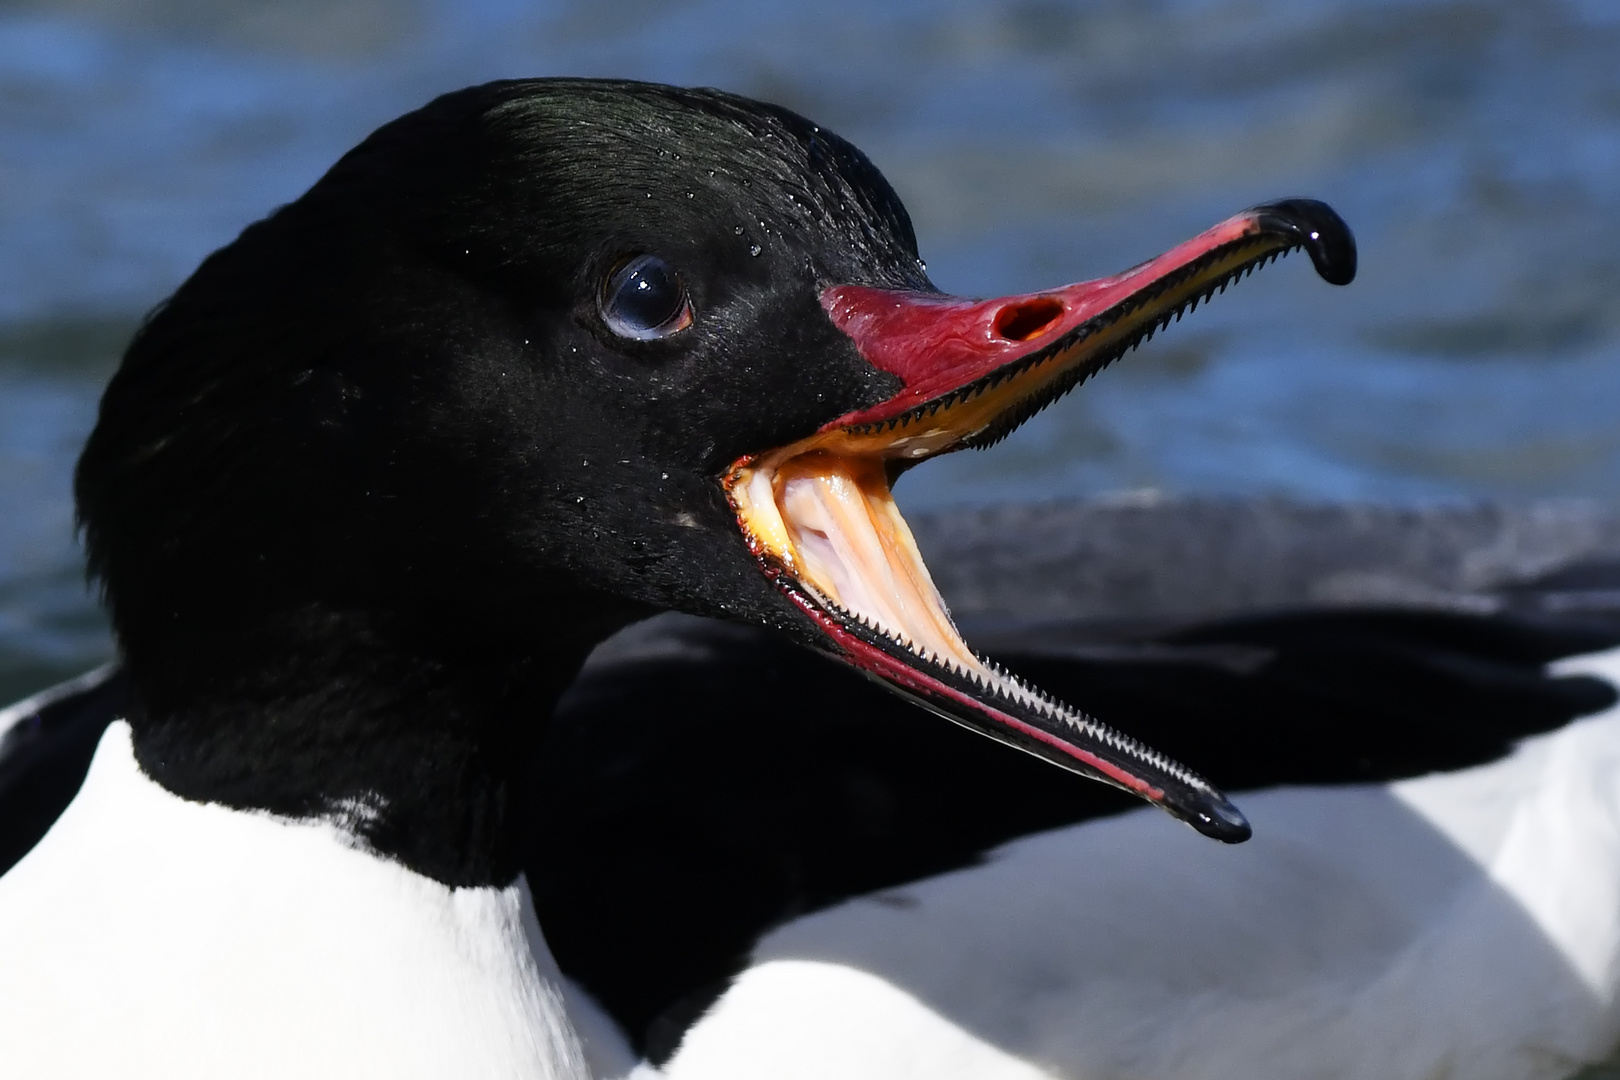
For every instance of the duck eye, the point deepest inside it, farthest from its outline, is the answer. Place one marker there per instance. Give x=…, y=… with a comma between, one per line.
x=644, y=299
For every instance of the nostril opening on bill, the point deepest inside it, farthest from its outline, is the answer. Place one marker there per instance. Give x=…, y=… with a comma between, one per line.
x=1028, y=318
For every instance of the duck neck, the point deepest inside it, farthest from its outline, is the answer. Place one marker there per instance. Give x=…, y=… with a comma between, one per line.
x=414, y=742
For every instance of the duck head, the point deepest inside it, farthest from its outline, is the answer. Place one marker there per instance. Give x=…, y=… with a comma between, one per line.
x=535, y=361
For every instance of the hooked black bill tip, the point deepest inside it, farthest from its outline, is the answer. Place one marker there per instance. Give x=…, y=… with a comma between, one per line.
x=1321, y=231
x=1214, y=816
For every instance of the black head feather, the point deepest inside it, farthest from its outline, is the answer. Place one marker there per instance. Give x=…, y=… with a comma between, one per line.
x=369, y=485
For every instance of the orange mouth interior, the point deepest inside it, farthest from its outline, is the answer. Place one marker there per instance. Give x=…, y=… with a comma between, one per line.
x=830, y=521
x=822, y=512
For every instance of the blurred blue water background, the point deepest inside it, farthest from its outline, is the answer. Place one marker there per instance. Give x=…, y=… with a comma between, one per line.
x=1474, y=145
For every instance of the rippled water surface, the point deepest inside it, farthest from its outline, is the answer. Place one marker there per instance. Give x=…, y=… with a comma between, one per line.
x=1474, y=147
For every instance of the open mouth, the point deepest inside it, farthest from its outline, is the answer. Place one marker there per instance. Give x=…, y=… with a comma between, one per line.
x=821, y=519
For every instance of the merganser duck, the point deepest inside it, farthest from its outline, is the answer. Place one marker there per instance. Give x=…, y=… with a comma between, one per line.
x=369, y=486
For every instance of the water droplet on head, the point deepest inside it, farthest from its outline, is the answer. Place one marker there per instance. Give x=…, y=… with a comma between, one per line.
x=754, y=249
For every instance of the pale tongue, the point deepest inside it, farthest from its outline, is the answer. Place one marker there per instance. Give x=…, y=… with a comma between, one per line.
x=852, y=544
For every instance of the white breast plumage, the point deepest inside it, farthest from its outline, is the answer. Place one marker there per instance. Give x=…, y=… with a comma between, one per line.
x=191, y=940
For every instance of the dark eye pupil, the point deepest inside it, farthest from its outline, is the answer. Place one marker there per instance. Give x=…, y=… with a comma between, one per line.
x=644, y=299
